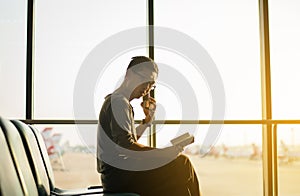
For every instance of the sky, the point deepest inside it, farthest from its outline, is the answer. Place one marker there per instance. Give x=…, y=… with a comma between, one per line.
x=227, y=30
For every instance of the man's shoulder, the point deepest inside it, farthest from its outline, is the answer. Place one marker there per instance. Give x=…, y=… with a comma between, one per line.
x=116, y=102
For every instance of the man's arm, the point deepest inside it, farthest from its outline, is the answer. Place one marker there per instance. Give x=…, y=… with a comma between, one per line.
x=141, y=128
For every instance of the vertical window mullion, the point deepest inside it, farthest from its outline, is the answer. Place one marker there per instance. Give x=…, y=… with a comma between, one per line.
x=152, y=130
x=29, y=59
x=268, y=147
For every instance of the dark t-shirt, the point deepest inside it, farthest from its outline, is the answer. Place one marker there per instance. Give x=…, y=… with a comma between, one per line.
x=116, y=130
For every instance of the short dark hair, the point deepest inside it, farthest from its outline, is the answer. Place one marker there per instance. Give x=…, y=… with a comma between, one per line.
x=139, y=60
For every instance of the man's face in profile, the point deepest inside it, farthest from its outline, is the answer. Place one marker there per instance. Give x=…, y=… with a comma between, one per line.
x=143, y=89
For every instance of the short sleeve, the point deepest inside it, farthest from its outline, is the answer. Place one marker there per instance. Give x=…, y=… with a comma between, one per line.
x=121, y=122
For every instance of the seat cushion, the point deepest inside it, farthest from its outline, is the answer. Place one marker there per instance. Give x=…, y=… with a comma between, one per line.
x=34, y=157
x=9, y=181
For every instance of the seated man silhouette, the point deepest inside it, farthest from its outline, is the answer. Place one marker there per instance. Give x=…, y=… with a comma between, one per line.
x=126, y=165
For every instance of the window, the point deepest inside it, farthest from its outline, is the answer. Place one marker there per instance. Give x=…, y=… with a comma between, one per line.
x=66, y=32
x=229, y=32
x=285, y=47
x=12, y=58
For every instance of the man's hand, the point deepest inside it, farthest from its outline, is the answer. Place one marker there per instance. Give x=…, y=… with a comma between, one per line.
x=149, y=107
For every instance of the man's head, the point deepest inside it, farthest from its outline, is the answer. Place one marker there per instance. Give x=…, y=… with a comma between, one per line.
x=141, y=74
x=145, y=66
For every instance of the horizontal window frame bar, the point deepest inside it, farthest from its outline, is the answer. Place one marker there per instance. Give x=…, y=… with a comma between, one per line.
x=168, y=122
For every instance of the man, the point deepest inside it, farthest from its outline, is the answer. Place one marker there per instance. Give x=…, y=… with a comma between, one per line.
x=124, y=164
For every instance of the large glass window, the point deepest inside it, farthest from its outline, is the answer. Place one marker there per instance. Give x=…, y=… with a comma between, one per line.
x=285, y=49
x=12, y=58
x=229, y=32
x=66, y=32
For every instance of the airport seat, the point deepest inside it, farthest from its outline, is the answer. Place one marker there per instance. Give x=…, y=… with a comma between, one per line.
x=20, y=162
x=44, y=185
x=9, y=184
x=42, y=169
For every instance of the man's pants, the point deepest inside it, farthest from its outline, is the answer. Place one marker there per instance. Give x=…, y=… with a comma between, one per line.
x=176, y=178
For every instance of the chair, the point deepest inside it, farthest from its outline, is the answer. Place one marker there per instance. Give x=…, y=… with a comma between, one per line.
x=9, y=184
x=35, y=160
x=9, y=181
